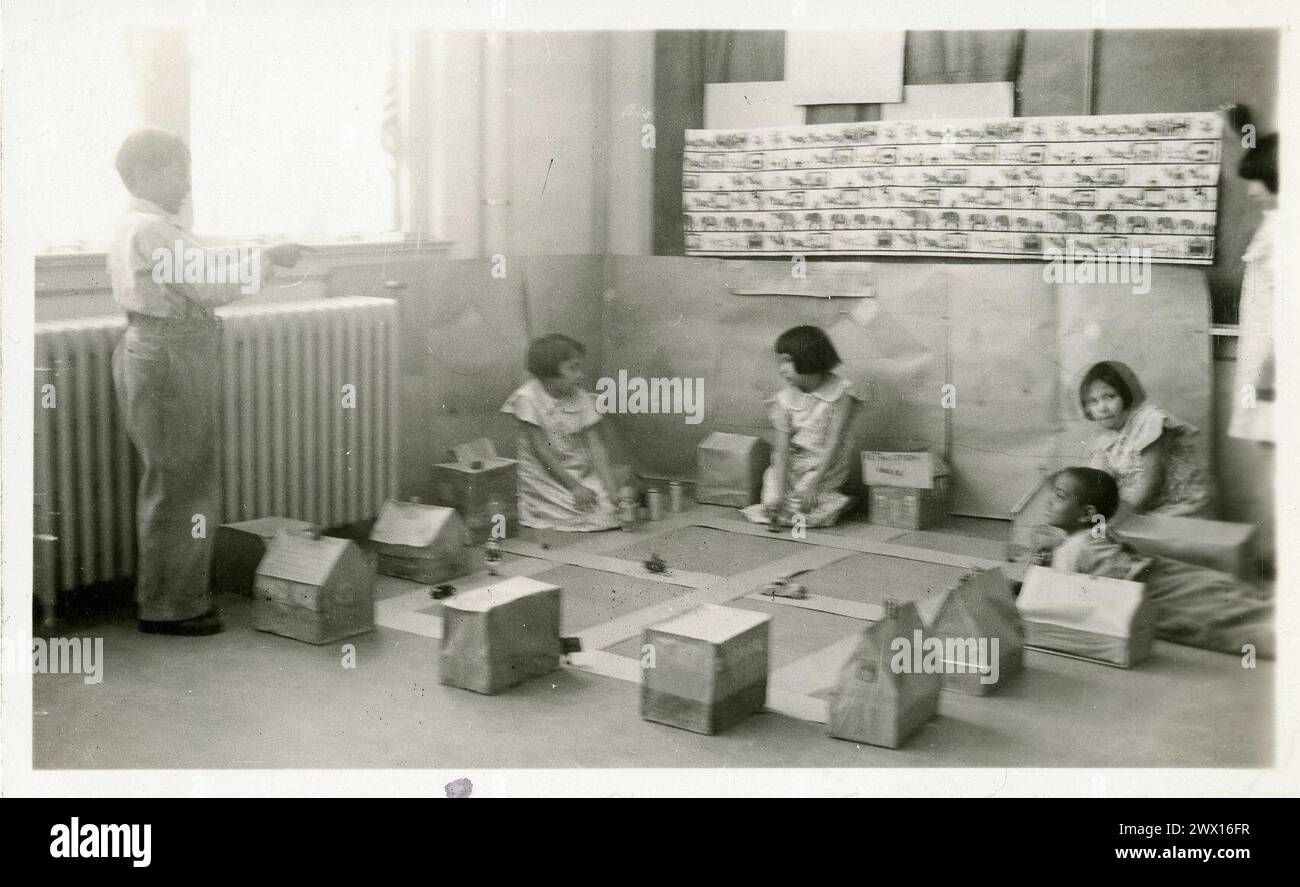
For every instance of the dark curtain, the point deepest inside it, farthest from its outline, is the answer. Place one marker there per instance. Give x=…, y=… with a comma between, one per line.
x=931, y=57
x=684, y=62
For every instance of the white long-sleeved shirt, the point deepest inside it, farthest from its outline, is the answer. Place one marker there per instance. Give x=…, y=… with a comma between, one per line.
x=147, y=236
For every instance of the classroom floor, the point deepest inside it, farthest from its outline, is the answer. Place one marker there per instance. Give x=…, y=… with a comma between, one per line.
x=246, y=699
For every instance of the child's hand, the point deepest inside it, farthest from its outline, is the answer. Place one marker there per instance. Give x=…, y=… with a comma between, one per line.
x=585, y=499
x=285, y=254
x=808, y=501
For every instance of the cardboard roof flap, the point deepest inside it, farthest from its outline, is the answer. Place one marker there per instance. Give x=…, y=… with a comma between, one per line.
x=725, y=440
x=915, y=468
x=1175, y=528
x=416, y=525
x=875, y=645
x=1098, y=604
x=302, y=559
x=980, y=605
x=269, y=527
x=480, y=449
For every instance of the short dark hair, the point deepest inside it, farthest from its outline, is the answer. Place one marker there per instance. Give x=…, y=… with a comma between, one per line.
x=1260, y=163
x=547, y=353
x=809, y=348
x=150, y=147
x=1095, y=488
x=1107, y=372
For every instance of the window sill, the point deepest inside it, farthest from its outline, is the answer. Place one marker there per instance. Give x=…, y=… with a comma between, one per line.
x=82, y=273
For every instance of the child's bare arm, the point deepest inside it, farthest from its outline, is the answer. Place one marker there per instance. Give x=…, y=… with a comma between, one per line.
x=600, y=457
x=780, y=455
x=1154, y=458
x=840, y=422
x=541, y=448
x=834, y=443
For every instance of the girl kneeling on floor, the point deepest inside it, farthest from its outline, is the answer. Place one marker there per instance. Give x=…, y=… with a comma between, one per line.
x=812, y=416
x=565, y=478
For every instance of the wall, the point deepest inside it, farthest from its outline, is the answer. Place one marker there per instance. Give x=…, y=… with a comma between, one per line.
x=574, y=176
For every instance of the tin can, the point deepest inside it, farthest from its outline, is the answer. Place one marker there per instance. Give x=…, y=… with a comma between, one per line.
x=676, y=498
x=654, y=503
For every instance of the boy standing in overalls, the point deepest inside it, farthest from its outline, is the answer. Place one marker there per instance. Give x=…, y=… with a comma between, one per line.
x=165, y=372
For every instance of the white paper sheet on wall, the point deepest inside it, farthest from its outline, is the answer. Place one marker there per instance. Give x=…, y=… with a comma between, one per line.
x=745, y=105
x=844, y=67
x=950, y=100
x=1014, y=187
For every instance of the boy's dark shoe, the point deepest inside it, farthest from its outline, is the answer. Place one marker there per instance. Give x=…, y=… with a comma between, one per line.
x=198, y=626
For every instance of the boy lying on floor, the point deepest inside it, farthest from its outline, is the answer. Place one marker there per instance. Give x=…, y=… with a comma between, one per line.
x=1195, y=605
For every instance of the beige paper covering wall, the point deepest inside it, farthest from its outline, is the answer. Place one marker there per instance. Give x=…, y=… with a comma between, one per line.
x=464, y=335
x=1013, y=346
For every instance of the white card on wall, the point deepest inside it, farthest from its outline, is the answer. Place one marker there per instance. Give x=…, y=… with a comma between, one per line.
x=747, y=105
x=836, y=67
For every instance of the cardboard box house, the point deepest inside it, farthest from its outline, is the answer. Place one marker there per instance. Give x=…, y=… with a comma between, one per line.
x=479, y=484
x=314, y=590
x=237, y=549
x=422, y=543
x=1088, y=617
x=906, y=490
x=980, y=629
x=730, y=469
x=710, y=668
x=500, y=635
x=1219, y=545
x=881, y=696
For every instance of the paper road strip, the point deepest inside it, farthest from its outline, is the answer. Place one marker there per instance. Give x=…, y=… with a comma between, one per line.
x=797, y=706
x=822, y=604
x=606, y=664
x=609, y=564
x=399, y=611
x=927, y=608
x=780, y=701
x=906, y=552
x=815, y=672
x=621, y=629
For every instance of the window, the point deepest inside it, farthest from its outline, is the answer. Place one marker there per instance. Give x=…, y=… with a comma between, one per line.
x=287, y=125
x=75, y=98
x=286, y=130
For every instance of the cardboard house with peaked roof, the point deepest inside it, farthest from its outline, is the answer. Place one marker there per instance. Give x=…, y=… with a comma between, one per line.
x=878, y=697
x=314, y=590
x=983, y=639
x=422, y=543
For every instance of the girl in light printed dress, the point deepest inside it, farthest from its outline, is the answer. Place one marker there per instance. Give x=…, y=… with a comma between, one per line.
x=1150, y=453
x=812, y=415
x=565, y=478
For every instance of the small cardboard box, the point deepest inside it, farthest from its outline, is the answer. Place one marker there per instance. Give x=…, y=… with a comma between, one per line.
x=983, y=638
x=909, y=508
x=874, y=703
x=422, y=543
x=916, y=470
x=500, y=635
x=731, y=469
x=709, y=669
x=238, y=548
x=1219, y=545
x=480, y=485
x=1089, y=617
x=314, y=590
